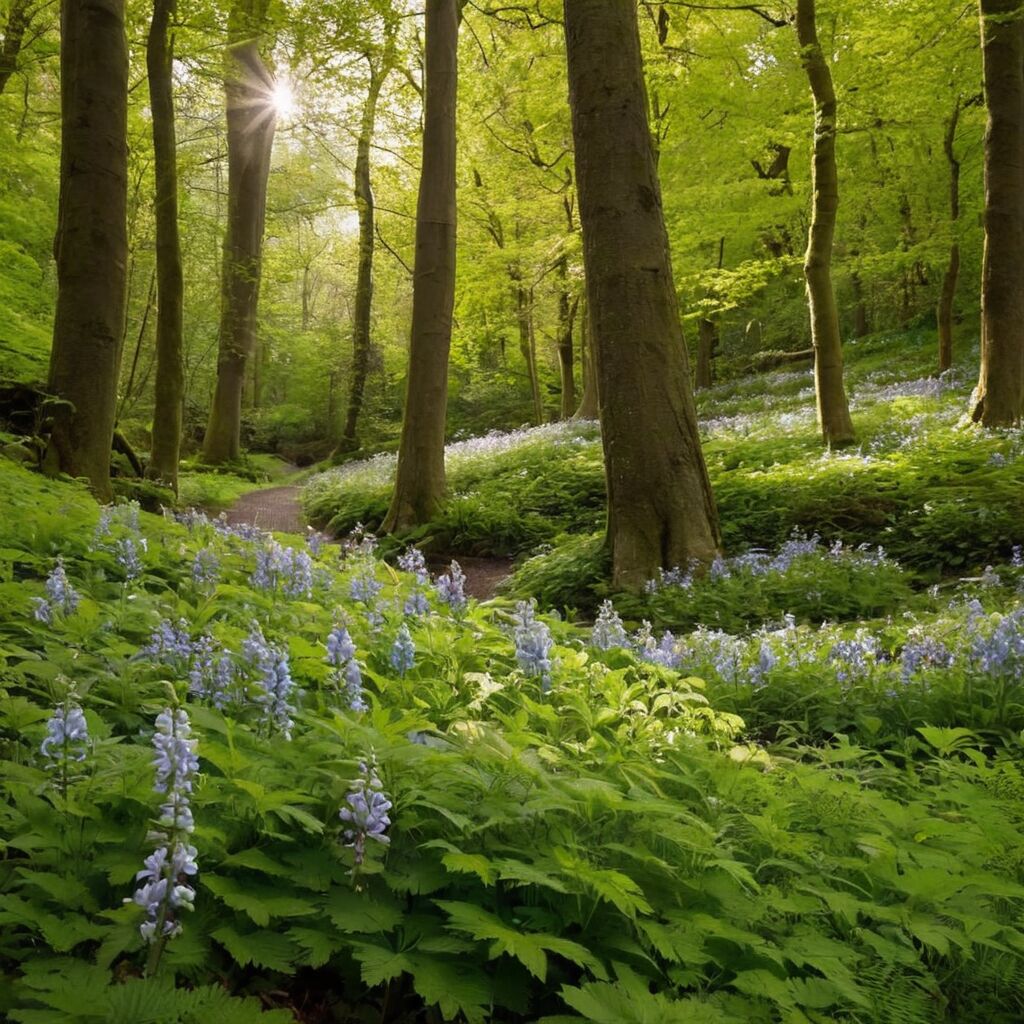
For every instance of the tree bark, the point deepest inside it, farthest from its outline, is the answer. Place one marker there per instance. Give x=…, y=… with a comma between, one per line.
x=248, y=89
x=833, y=408
x=589, y=408
x=18, y=19
x=707, y=342
x=91, y=245
x=420, y=480
x=361, y=341
x=170, y=368
x=947, y=296
x=566, y=356
x=999, y=396
x=661, y=511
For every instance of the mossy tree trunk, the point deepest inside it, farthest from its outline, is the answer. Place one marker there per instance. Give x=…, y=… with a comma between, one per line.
x=833, y=407
x=19, y=17
x=91, y=245
x=380, y=68
x=170, y=370
x=660, y=507
x=947, y=295
x=420, y=480
x=999, y=397
x=251, y=120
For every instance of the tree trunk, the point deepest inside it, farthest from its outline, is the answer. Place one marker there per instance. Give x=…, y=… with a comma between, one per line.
x=170, y=369
x=861, y=324
x=707, y=342
x=589, y=406
x=91, y=246
x=999, y=397
x=18, y=19
x=833, y=408
x=361, y=341
x=947, y=295
x=527, y=347
x=248, y=89
x=420, y=480
x=566, y=356
x=661, y=511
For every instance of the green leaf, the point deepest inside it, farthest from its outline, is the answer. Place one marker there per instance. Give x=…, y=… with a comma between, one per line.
x=261, y=948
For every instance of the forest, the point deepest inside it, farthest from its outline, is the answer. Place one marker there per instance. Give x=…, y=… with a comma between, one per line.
x=513, y=511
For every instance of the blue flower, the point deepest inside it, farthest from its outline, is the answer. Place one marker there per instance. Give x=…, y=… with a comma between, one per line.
x=533, y=643
x=61, y=598
x=608, y=631
x=126, y=554
x=413, y=562
x=273, y=678
x=451, y=588
x=366, y=812
x=341, y=656
x=205, y=567
x=164, y=891
x=67, y=734
x=403, y=651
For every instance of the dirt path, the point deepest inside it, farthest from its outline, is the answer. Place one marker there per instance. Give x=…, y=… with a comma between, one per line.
x=276, y=508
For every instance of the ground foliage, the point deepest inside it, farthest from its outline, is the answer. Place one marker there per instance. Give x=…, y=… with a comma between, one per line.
x=581, y=826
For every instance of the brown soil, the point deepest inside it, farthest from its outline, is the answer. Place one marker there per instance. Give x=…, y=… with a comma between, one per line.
x=276, y=509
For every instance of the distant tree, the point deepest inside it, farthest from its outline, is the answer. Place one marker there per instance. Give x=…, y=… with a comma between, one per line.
x=999, y=397
x=381, y=62
x=947, y=294
x=420, y=480
x=170, y=370
x=661, y=511
x=91, y=243
x=251, y=118
x=833, y=407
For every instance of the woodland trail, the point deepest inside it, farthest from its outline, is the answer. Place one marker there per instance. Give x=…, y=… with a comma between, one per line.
x=278, y=509
x=274, y=508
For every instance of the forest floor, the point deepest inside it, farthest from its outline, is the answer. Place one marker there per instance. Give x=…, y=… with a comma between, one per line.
x=279, y=510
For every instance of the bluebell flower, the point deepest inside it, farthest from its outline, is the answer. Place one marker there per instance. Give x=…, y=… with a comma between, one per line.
x=451, y=588
x=412, y=561
x=164, y=890
x=67, y=734
x=416, y=604
x=61, y=598
x=273, y=679
x=533, y=642
x=999, y=651
x=127, y=555
x=366, y=812
x=922, y=652
x=403, y=651
x=608, y=631
x=365, y=587
x=855, y=658
x=169, y=644
x=347, y=675
x=316, y=541
x=205, y=567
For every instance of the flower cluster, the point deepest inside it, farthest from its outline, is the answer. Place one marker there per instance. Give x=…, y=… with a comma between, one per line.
x=347, y=675
x=403, y=651
x=608, y=631
x=164, y=890
x=61, y=598
x=413, y=562
x=291, y=569
x=205, y=567
x=533, y=642
x=366, y=812
x=271, y=673
x=67, y=734
x=451, y=588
